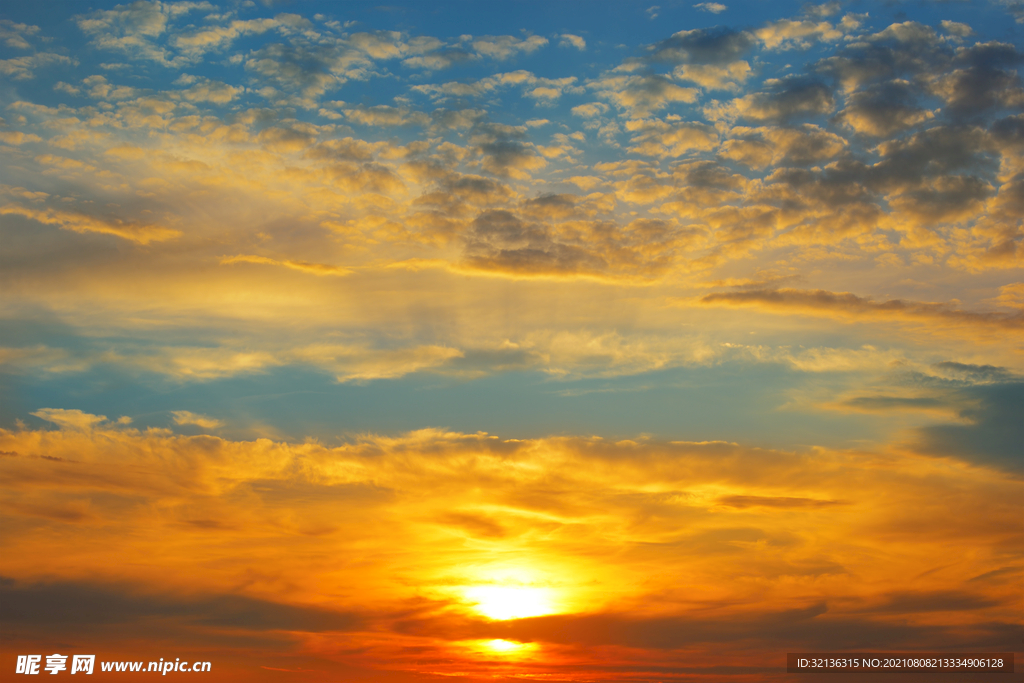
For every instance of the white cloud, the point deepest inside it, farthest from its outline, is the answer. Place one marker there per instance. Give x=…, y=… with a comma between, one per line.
x=713, y=7
x=589, y=111
x=70, y=419
x=506, y=47
x=14, y=35
x=569, y=40
x=23, y=68
x=184, y=417
x=643, y=94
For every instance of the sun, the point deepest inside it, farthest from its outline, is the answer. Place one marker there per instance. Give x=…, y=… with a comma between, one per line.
x=510, y=602
x=505, y=650
x=507, y=646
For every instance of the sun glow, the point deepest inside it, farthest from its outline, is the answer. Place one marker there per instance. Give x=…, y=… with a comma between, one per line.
x=510, y=602
x=509, y=646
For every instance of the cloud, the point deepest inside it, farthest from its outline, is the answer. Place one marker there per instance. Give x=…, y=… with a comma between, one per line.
x=782, y=100
x=198, y=42
x=502, y=241
x=654, y=137
x=1015, y=10
x=501, y=48
x=16, y=35
x=26, y=359
x=973, y=374
x=385, y=116
x=205, y=90
x=789, y=34
x=61, y=86
x=70, y=419
x=442, y=59
x=504, y=150
x=846, y=305
x=590, y=110
x=63, y=604
x=185, y=417
x=311, y=71
x=23, y=68
x=570, y=40
x=986, y=79
x=908, y=602
x=993, y=433
x=140, y=18
x=355, y=361
x=199, y=364
x=890, y=404
x=133, y=232
x=236, y=231
x=956, y=28
x=100, y=88
x=538, y=88
x=764, y=146
x=302, y=266
x=909, y=51
x=715, y=77
x=132, y=29
x=1012, y=295
x=719, y=45
x=360, y=364
x=641, y=95
x=776, y=502
x=603, y=512
x=313, y=67
x=16, y=137
x=713, y=7
x=882, y=110
x=551, y=236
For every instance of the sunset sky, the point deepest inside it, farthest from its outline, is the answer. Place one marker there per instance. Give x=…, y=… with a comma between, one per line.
x=556, y=341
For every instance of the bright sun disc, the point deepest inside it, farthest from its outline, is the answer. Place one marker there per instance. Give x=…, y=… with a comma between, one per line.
x=510, y=602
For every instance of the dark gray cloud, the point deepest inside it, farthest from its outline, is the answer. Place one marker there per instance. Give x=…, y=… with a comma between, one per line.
x=708, y=174
x=561, y=235
x=890, y=73
x=974, y=373
x=717, y=45
x=308, y=69
x=941, y=150
x=986, y=78
x=935, y=175
x=788, y=98
x=504, y=149
x=500, y=240
x=455, y=192
x=994, y=435
x=76, y=603
x=812, y=626
x=883, y=109
x=831, y=187
x=916, y=602
x=847, y=304
x=909, y=50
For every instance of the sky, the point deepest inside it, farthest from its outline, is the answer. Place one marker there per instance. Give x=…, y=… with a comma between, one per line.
x=556, y=341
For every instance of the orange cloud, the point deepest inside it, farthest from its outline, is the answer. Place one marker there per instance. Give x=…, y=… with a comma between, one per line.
x=851, y=306
x=415, y=541
x=303, y=266
x=133, y=232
